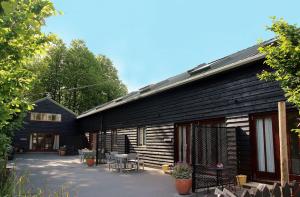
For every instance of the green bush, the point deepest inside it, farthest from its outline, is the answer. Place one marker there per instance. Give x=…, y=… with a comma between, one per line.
x=182, y=171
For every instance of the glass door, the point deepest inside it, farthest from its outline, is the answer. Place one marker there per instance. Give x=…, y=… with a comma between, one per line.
x=265, y=136
x=41, y=142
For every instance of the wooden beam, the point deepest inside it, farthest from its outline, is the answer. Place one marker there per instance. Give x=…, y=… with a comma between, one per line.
x=284, y=167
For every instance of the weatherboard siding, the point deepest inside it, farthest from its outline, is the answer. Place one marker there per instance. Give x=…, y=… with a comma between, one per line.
x=227, y=94
x=67, y=128
x=243, y=148
x=156, y=152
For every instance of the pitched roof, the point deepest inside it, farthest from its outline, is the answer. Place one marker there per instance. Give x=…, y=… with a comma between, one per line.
x=56, y=103
x=234, y=60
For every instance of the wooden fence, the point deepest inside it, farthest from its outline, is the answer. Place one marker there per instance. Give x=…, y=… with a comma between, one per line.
x=287, y=190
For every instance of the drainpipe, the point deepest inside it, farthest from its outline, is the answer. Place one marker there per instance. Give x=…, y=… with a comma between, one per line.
x=97, y=142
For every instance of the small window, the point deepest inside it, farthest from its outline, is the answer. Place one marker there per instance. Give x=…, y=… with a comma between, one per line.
x=141, y=136
x=114, y=138
x=45, y=117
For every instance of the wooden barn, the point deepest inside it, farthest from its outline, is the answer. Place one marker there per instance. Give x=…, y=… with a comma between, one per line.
x=215, y=112
x=48, y=127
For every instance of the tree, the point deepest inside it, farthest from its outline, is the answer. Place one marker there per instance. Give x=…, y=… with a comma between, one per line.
x=21, y=39
x=76, y=78
x=283, y=56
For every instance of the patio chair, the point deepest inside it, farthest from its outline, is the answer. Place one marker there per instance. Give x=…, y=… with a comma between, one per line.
x=136, y=160
x=80, y=155
x=109, y=160
x=132, y=159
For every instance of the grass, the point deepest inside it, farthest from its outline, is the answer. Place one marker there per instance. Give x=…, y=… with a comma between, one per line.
x=12, y=185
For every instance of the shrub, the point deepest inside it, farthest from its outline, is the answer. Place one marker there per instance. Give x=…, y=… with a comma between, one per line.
x=182, y=171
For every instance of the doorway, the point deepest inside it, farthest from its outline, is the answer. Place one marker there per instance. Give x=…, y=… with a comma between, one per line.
x=41, y=142
x=183, y=143
x=265, y=138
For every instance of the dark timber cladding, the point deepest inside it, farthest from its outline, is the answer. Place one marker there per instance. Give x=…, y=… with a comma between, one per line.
x=234, y=95
x=66, y=128
x=231, y=94
x=235, y=92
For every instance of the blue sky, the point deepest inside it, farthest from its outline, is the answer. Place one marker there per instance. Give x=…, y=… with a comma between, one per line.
x=150, y=40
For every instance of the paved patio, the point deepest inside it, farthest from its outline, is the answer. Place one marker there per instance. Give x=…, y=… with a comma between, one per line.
x=52, y=172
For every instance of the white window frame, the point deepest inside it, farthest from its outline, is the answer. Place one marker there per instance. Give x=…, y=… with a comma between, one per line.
x=45, y=117
x=141, y=140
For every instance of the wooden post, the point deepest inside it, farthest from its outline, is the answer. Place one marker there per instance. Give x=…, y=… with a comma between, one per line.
x=284, y=167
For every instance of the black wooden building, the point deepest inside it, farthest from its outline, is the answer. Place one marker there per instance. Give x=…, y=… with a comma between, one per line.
x=48, y=127
x=159, y=120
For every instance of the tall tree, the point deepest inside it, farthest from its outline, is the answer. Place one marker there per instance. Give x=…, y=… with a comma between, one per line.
x=283, y=57
x=21, y=39
x=76, y=78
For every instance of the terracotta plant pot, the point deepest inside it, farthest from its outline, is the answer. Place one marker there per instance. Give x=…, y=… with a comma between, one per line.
x=183, y=186
x=90, y=162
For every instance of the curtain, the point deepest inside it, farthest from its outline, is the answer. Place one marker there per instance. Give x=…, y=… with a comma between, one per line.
x=260, y=144
x=56, y=142
x=30, y=142
x=269, y=145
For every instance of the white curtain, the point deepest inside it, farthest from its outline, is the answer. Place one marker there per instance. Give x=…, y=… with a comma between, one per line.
x=30, y=142
x=56, y=142
x=184, y=144
x=269, y=145
x=260, y=145
x=179, y=143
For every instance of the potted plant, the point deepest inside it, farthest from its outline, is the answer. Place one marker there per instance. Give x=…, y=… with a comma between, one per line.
x=89, y=158
x=182, y=173
x=62, y=150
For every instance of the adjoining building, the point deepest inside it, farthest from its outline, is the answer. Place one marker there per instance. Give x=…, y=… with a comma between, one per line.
x=48, y=127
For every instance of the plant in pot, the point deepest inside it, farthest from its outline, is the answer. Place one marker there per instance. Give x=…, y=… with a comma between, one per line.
x=90, y=159
x=63, y=150
x=182, y=173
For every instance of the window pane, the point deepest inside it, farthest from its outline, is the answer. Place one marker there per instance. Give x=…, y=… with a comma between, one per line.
x=260, y=144
x=269, y=145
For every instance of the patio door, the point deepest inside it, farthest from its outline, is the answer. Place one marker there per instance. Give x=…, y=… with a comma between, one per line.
x=41, y=142
x=266, y=144
x=183, y=143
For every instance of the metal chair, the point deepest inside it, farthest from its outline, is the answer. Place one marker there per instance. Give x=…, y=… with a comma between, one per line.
x=109, y=160
x=136, y=160
x=80, y=155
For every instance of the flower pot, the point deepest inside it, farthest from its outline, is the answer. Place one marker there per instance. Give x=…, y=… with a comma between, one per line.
x=183, y=186
x=90, y=162
x=241, y=180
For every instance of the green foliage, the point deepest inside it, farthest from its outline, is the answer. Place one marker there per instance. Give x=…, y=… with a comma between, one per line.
x=89, y=155
x=14, y=185
x=4, y=143
x=20, y=40
x=182, y=171
x=283, y=57
x=76, y=78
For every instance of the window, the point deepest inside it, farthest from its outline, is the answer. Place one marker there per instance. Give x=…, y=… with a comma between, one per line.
x=114, y=138
x=141, y=136
x=45, y=117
